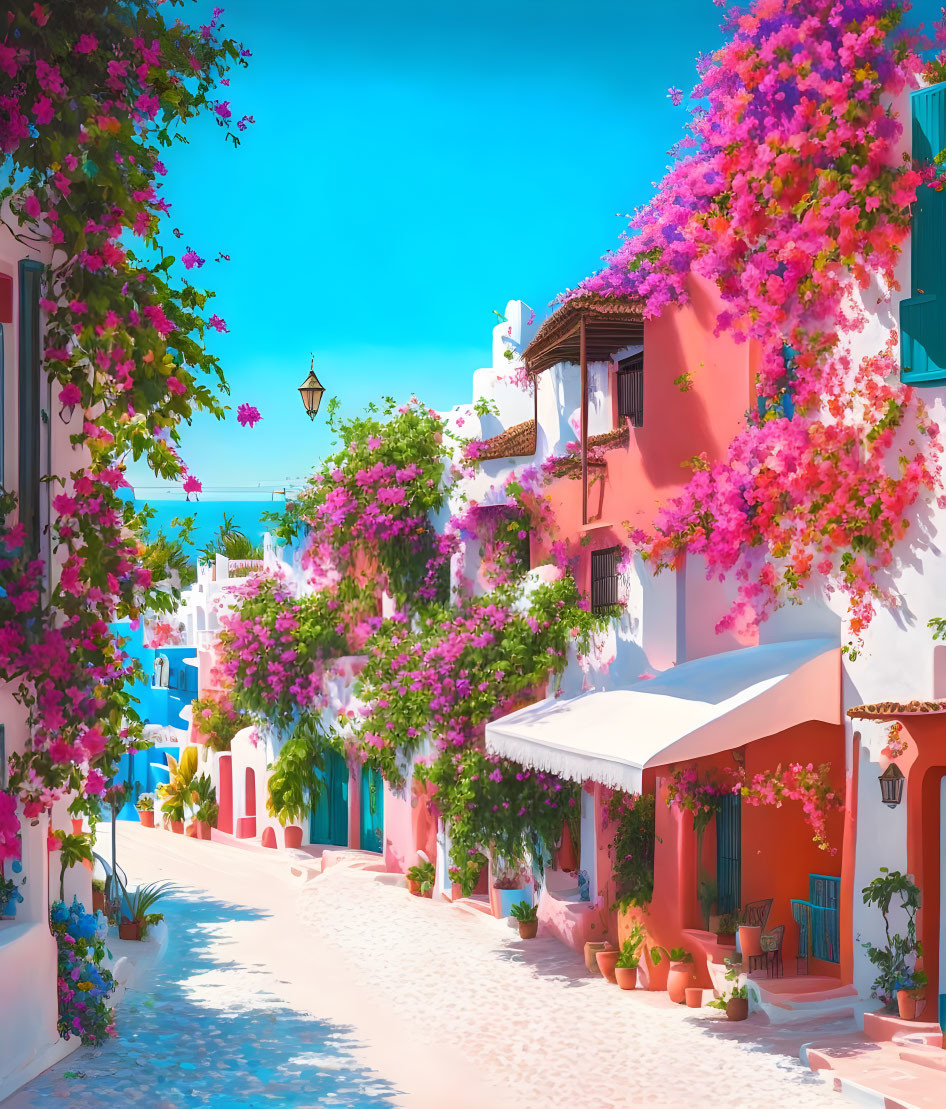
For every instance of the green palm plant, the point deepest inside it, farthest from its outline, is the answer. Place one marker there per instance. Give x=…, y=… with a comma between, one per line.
x=231, y=542
x=203, y=798
x=75, y=848
x=295, y=780
x=175, y=794
x=141, y=901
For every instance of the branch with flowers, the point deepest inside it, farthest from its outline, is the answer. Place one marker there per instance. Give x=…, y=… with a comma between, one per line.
x=807, y=784
x=84, y=115
x=789, y=192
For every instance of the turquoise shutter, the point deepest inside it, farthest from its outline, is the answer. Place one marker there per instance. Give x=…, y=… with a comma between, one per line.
x=923, y=315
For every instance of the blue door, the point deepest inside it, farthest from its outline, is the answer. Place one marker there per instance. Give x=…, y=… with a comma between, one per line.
x=372, y=821
x=329, y=820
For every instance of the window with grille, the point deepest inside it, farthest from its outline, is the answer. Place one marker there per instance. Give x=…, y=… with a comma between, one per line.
x=630, y=384
x=604, y=579
x=729, y=854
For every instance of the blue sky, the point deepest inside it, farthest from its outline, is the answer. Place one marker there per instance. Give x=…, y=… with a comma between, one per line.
x=412, y=167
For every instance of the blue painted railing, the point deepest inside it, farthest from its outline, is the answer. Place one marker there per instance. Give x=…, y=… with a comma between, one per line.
x=818, y=919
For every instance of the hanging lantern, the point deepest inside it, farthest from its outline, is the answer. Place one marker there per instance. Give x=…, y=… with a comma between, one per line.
x=891, y=786
x=311, y=391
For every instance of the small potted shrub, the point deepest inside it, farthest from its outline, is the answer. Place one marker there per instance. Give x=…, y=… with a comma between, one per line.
x=145, y=807
x=726, y=925
x=204, y=801
x=528, y=917
x=735, y=1001
x=421, y=877
x=136, y=913
x=98, y=895
x=682, y=973
x=625, y=969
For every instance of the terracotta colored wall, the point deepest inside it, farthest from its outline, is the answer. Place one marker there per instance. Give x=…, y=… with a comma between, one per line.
x=777, y=850
x=925, y=765
x=677, y=426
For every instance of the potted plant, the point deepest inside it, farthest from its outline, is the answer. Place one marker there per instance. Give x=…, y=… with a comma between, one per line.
x=735, y=1001
x=625, y=969
x=898, y=961
x=528, y=917
x=10, y=896
x=421, y=878
x=203, y=798
x=136, y=915
x=508, y=886
x=98, y=895
x=175, y=793
x=681, y=974
x=73, y=849
x=145, y=807
x=296, y=778
x=726, y=925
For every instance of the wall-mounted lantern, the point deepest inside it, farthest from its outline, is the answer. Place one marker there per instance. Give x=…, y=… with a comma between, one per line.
x=311, y=391
x=891, y=786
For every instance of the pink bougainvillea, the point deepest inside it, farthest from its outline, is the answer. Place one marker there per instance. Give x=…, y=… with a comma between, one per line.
x=248, y=415
x=791, y=194
x=9, y=828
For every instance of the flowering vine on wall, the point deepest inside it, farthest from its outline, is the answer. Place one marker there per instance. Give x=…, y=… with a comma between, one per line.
x=84, y=115
x=790, y=193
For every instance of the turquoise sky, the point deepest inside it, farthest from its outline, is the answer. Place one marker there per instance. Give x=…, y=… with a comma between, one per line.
x=412, y=167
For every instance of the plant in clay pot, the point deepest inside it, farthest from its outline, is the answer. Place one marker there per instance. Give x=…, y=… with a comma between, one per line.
x=175, y=793
x=899, y=982
x=98, y=895
x=295, y=778
x=145, y=807
x=681, y=974
x=137, y=916
x=725, y=929
x=73, y=849
x=734, y=1001
x=528, y=917
x=421, y=878
x=625, y=969
x=203, y=799
x=750, y=938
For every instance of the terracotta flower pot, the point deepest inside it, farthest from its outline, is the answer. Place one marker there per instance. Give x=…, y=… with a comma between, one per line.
x=909, y=1004
x=750, y=940
x=129, y=930
x=413, y=887
x=98, y=901
x=592, y=947
x=606, y=960
x=292, y=836
x=680, y=976
x=726, y=939
x=626, y=977
x=528, y=929
x=203, y=829
x=653, y=976
x=177, y=827
x=737, y=1008
x=146, y=816
x=76, y=825
x=694, y=996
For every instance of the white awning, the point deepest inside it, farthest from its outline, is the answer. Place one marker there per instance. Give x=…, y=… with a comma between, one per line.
x=697, y=708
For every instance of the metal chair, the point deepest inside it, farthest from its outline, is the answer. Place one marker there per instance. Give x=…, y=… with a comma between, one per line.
x=771, y=951
x=756, y=913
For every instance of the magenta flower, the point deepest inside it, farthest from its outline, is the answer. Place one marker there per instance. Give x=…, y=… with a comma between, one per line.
x=87, y=44
x=191, y=258
x=676, y=95
x=192, y=485
x=69, y=394
x=248, y=415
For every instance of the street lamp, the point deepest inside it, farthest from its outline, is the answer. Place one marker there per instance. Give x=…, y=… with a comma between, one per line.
x=311, y=391
x=891, y=786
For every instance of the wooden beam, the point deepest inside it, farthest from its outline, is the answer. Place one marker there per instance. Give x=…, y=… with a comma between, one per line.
x=582, y=355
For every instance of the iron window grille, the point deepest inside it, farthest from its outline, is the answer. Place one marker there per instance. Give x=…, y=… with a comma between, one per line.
x=604, y=580
x=630, y=385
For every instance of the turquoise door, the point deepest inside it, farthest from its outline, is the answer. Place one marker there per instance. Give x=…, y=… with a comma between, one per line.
x=372, y=822
x=329, y=820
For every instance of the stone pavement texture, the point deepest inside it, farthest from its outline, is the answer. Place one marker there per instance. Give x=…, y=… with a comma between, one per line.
x=349, y=992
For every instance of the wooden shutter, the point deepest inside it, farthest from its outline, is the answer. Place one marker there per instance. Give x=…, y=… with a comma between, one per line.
x=604, y=579
x=729, y=854
x=630, y=386
x=923, y=315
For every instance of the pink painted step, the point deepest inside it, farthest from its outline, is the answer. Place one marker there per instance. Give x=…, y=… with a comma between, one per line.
x=888, y=1026
x=881, y=1073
